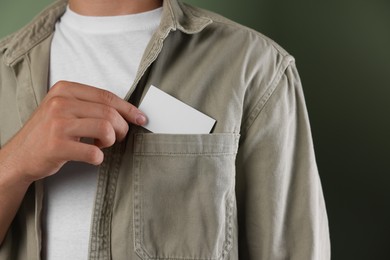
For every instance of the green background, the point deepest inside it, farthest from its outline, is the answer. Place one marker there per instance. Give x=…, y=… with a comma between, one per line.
x=342, y=48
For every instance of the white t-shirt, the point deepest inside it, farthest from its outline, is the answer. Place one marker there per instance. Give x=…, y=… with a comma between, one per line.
x=104, y=52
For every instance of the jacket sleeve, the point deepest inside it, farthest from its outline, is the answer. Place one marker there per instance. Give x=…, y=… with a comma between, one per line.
x=281, y=209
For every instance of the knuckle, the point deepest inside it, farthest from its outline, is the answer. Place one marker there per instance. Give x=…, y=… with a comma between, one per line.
x=106, y=96
x=56, y=104
x=125, y=129
x=106, y=132
x=93, y=155
x=122, y=132
x=118, y=124
x=58, y=86
x=109, y=113
x=104, y=127
x=131, y=109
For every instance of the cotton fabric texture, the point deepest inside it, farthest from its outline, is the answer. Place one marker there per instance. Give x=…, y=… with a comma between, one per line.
x=80, y=50
x=248, y=190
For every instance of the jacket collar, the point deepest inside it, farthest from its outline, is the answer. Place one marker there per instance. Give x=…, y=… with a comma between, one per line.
x=33, y=33
x=176, y=16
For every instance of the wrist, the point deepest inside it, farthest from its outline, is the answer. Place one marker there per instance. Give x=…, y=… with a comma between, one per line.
x=11, y=173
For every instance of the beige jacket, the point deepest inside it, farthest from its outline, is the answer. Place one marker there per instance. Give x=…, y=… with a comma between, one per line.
x=248, y=190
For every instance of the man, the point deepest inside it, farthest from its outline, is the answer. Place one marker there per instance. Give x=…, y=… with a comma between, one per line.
x=248, y=190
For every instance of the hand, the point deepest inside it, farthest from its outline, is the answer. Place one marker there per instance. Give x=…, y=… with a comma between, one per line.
x=69, y=112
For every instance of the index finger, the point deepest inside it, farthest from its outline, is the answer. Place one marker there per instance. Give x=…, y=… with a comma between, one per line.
x=96, y=95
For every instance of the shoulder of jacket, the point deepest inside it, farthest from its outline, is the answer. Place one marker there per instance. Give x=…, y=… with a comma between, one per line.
x=4, y=42
x=20, y=42
x=221, y=22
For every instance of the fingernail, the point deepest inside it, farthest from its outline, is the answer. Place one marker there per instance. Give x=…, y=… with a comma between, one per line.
x=140, y=119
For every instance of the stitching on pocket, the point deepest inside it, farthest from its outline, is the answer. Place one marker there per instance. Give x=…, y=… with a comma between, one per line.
x=137, y=211
x=140, y=247
x=228, y=243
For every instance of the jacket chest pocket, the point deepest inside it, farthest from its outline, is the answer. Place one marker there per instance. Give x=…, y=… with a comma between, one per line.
x=184, y=199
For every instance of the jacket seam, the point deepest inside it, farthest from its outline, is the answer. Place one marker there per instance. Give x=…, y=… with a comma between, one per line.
x=261, y=36
x=216, y=18
x=200, y=26
x=165, y=154
x=19, y=54
x=262, y=102
x=4, y=41
x=14, y=55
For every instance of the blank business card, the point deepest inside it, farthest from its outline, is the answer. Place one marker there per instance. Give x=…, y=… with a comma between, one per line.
x=168, y=115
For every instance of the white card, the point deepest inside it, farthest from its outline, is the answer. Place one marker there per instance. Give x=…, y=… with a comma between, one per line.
x=168, y=115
